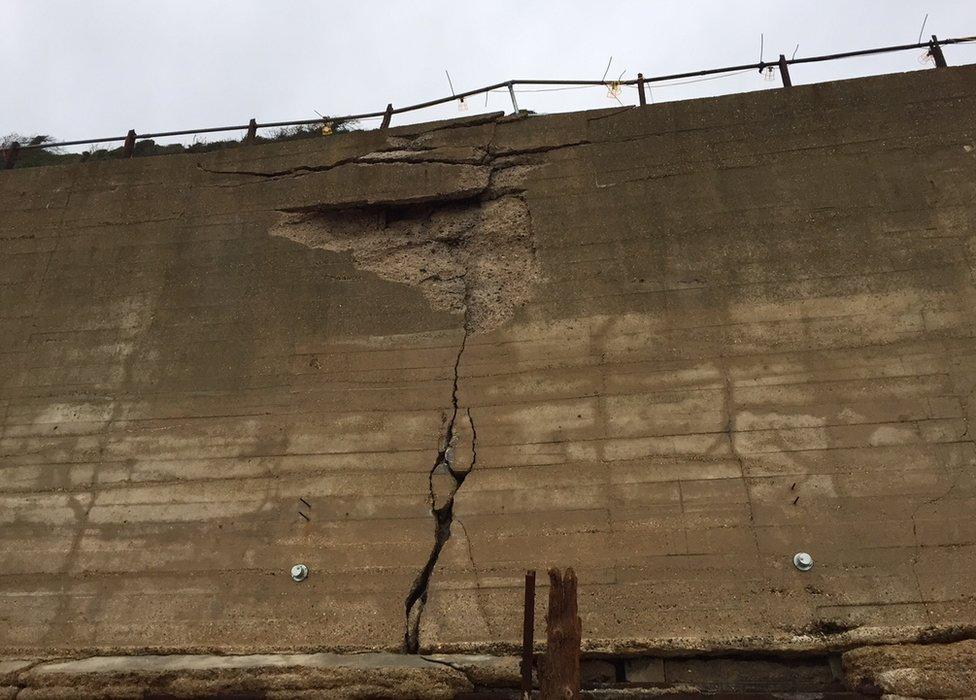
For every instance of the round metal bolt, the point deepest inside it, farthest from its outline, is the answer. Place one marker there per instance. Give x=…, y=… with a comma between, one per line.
x=299, y=572
x=803, y=561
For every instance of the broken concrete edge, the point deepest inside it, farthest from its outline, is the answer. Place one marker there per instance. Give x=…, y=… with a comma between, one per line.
x=401, y=151
x=898, y=668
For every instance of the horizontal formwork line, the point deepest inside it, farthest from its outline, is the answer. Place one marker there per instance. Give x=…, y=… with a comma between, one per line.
x=599, y=478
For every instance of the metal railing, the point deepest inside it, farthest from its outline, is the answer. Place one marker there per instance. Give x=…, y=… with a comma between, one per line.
x=933, y=47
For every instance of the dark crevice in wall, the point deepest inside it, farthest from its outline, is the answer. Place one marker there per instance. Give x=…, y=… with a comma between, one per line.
x=443, y=475
x=471, y=251
x=368, y=160
x=277, y=173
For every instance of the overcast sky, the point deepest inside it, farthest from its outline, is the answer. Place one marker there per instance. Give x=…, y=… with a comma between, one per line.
x=100, y=67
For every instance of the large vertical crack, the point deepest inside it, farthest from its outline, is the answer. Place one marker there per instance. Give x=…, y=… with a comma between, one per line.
x=443, y=483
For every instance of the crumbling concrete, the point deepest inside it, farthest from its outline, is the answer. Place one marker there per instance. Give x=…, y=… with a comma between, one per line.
x=473, y=256
x=669, y=347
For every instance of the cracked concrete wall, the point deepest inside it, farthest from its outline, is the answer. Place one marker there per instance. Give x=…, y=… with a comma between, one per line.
x=668, y=347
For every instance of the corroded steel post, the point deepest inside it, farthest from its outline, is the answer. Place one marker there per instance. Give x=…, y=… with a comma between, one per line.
x=784, y=71
x=130, y=143
x=935, y=50
x=561, y=671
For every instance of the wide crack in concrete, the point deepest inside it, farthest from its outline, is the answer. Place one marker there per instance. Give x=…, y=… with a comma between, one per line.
x=473, y=254
x=444, y=481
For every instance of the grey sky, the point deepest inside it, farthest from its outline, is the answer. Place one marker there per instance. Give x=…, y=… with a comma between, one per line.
x=98, y=68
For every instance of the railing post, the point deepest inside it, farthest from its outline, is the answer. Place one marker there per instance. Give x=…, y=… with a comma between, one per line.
x=511, y=93
x=560, y=676
x=935, y=51
x=130, y=143
x=252, y=131
x=10, y=154
x=528, y=634
x=784, y=71
x=387, y=116
x=640, y=90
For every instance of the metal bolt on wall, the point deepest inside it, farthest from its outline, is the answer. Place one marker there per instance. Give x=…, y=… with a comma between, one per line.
x=802, y=561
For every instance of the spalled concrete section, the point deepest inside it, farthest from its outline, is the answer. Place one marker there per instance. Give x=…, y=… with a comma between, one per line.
x=669, y=347
x=471, y=258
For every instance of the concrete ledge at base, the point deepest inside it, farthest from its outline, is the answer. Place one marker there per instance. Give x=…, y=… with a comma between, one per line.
x=254, y=675
x=934, y=670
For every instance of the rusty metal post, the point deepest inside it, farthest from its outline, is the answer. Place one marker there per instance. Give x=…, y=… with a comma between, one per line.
x=528, y=634
x=252, y=131
x=387, y=117
x=10, y=154
x=935, y=50
x=130, y=143
x=560, y=677
x=640, y=90
x=784, y=71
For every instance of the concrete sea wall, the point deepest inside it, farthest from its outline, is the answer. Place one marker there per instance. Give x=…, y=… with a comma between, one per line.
x=668, y=346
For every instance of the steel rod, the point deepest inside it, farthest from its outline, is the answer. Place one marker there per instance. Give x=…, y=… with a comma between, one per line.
x=528, y=633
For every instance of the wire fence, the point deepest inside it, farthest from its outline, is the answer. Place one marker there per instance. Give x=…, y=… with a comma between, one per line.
x=933, y=49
